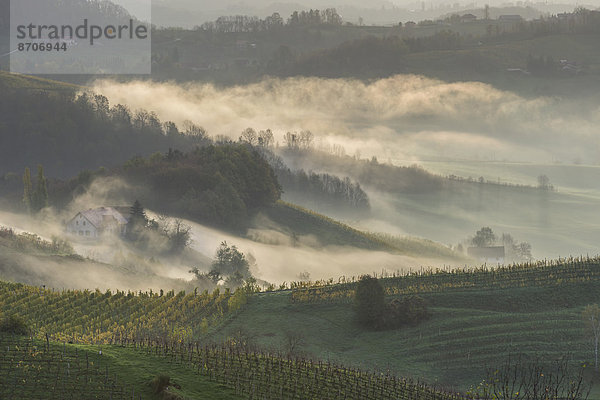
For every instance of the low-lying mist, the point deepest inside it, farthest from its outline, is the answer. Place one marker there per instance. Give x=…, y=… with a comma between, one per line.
x=113, y=263
x=406, y=117
x=274, y=259
x=454, y=127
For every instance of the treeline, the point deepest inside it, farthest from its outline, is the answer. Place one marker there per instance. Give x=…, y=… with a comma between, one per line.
x=582, y=20
x=325, y=189
x=381, y=54
x=245, y=24
x=384, y=177
x=546, y=273
x=68, y=133
x=319, y=189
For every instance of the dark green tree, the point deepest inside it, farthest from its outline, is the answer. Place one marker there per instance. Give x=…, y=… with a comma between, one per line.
x=41, y=192
x=38, y=199
x=14, y=324
x=408, y=310
x=27, y=190
x=137, y=220
x=230, y=262
x=369, y=302
x=137, y=213
x=179, y=236
x=484, y=237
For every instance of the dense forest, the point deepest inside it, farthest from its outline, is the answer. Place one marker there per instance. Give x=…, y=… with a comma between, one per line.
x=219, y=185
x=73, y=134
x=376, y=56
x=68, y=133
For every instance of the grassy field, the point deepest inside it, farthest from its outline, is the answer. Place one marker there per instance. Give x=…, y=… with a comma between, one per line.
x=468, y=331
x=20, y=81
x=300, y=221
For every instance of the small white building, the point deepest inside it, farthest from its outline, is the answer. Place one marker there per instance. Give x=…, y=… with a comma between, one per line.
x=97, y=222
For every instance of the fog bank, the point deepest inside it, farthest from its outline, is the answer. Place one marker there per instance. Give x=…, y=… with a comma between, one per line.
x=404, y=117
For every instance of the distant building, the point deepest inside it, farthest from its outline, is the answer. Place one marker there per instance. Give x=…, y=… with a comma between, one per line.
x=519, y=71
x=570, y=67
x=97, y=222
x=489, y=254
x=510, y=18
x=468, y=18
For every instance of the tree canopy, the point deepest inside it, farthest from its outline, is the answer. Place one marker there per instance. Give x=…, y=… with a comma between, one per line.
x=484, y=237
x=369, y=302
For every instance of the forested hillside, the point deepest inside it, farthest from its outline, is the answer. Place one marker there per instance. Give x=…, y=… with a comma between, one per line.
x=219, y=185
x=67, y=133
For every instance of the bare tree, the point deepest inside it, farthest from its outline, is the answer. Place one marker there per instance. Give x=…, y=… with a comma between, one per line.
x=194, y=131
x=532, y=379
x=544, y=182
x=249, y=136
x=294, y=340
x=291, y=140
x=266, y=138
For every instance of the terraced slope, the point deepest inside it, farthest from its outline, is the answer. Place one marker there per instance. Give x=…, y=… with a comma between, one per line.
x=471, y=328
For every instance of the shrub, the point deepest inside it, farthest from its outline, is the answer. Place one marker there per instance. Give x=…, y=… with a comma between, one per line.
x=369, y=302
x=408, y=310
x=14, y=324
x=372, y=311
x=160, y=382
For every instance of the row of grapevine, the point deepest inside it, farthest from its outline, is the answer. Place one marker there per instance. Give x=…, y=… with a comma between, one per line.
x=96, y=317
x=542, y=273
x=35, y=370
x=262, y=375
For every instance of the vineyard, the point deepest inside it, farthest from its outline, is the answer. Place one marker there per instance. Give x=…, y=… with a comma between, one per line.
x=97, y=317
x=35, y=370
x=479, y=316
x=543, y=274
x=263, y=375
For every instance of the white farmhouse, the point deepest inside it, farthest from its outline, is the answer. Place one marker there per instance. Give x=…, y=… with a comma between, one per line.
x=94, y=223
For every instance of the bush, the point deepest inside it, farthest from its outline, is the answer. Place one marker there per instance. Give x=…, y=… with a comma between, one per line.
x=160, y=382
x=409, y=310
x=372, y=311
x=14, y=324
x=369, y=302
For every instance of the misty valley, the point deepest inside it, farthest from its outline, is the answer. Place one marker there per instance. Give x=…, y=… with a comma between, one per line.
x=303, y=201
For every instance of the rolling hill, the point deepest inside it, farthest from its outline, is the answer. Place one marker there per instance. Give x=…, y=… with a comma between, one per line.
x=478, y=318
x=34, y=83
x=476, y=323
